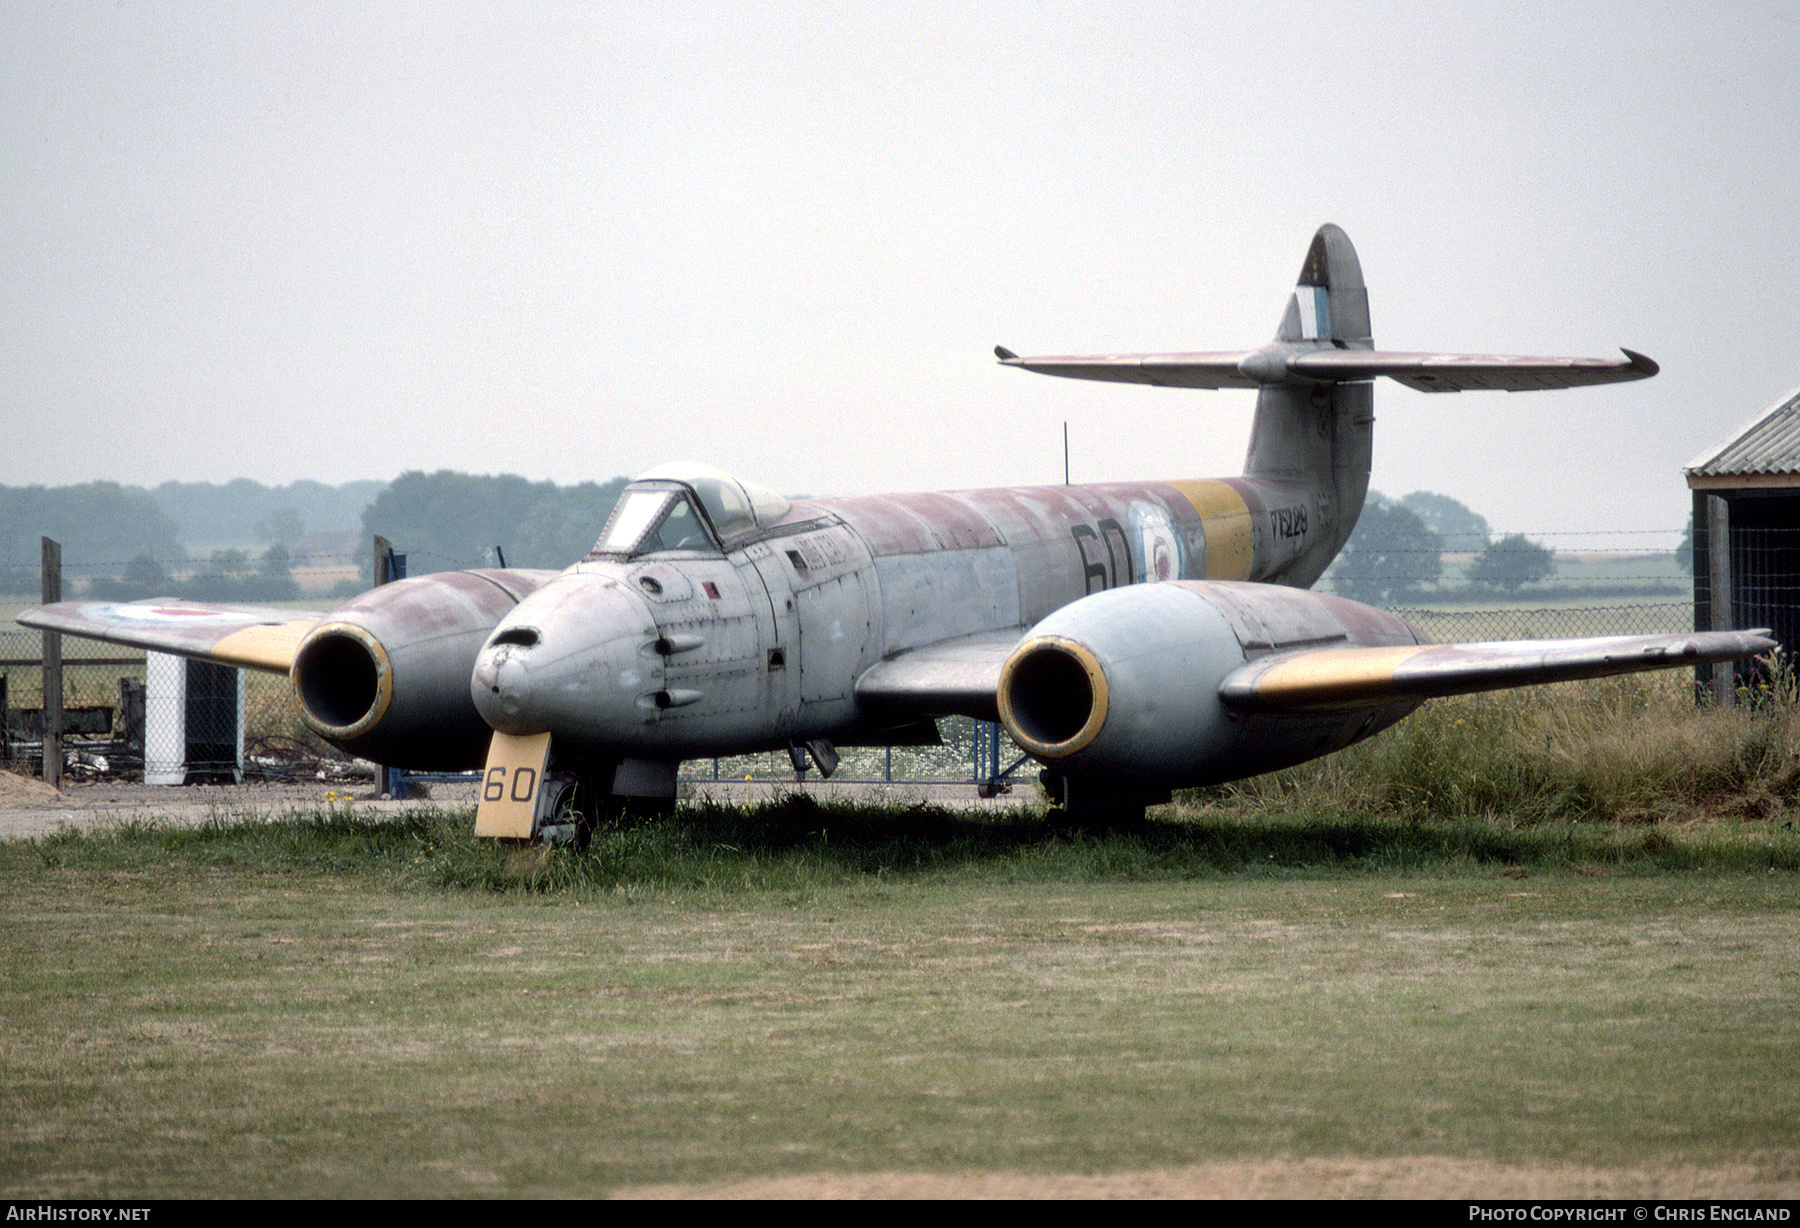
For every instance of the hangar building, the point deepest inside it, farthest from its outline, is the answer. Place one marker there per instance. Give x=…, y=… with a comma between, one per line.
x=1747, y=527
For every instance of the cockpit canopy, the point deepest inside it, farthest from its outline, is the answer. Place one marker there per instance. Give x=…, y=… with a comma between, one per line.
x=687, y=507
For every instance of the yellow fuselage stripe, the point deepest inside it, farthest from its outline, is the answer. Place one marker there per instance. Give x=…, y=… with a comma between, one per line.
x=1230, y=537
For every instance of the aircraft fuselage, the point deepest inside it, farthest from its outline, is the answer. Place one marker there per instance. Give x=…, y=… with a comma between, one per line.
x=700, y=652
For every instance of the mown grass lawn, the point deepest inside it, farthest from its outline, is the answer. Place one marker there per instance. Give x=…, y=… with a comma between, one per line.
x=345, y=1007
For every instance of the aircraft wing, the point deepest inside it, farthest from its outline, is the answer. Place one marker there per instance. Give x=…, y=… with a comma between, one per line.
x=1423, y=371
x=959, y=677
x=1329, y=678
x=255, y=637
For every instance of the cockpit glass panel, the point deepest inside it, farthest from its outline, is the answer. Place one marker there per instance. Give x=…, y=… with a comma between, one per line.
x=631, y=519
x=726, y=504
x=648, y=519
x=658, y=512
x=679, y=529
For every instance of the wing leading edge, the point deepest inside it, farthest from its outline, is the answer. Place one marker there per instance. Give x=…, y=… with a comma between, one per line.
x=1329, y=678
x=254, y=637
x=959, y=677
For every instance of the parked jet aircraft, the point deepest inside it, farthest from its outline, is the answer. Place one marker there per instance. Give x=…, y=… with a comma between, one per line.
x=1133, y=637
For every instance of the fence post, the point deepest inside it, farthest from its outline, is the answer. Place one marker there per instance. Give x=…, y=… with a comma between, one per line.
x=388, y=567
x=53, y=677
x=1719, y=581
x=383, y=569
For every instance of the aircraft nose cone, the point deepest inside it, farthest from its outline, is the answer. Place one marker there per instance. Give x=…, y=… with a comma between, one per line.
x=570, y=659
x=501, y=687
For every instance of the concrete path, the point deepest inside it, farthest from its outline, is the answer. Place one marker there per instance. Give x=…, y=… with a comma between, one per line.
x=29, y=808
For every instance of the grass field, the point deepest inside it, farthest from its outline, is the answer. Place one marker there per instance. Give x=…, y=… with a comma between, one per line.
x=903, y=1002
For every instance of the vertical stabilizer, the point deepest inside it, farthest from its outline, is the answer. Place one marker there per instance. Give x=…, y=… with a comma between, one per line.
x=1330, y=302
x=1316, y=437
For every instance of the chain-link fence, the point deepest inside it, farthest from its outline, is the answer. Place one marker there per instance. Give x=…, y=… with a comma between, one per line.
x=1464, y=624
x=213, y=723
x=131, y=713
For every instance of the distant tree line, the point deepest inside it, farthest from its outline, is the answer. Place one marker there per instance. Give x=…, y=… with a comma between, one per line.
x=1396, y=553
x=128, y=542
x=227, y=576
x=221, y=514
x=1459, y=530
x=95, y=523
x=446, y=521
x=1390, y=556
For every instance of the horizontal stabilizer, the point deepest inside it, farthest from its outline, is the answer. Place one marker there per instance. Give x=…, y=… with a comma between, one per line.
x=1164, y=370
x=253, y=637
x=1470, y=372
x=1361, y=677
x=1285, y=365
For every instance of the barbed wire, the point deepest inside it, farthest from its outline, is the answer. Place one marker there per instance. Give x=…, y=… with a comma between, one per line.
x=296, y=561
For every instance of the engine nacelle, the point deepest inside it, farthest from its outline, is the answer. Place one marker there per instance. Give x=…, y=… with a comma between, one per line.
x=386, y=676
x=1120, y=690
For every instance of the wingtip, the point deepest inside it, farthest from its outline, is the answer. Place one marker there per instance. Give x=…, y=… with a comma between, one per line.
x=1643, y=364
x=1004, y=354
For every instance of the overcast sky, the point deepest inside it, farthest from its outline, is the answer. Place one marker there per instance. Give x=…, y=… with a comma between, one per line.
x=342, y=240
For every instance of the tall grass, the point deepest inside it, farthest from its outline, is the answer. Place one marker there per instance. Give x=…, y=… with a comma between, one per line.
x=1622, y=750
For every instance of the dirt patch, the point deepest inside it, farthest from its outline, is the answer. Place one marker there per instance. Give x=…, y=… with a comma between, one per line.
x=1424, y=1177
x=28, y=808
x=17, y=790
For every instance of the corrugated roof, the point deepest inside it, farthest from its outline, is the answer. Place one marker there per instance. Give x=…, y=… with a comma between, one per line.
x=1767, y=444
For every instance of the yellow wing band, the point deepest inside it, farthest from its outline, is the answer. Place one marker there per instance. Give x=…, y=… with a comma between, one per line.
x=1330, y=677
x=270, y=646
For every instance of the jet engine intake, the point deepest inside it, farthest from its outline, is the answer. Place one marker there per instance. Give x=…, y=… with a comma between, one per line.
x=386, y=676
x=343, y=680
x=1054, y=696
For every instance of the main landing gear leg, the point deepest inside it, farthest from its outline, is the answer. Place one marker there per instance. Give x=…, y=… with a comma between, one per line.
x=1088, y=806
x=588, y=796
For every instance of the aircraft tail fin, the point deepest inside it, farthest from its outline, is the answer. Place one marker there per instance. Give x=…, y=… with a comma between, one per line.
x=1315, y=439
x=1330, y=303
x=1312, y=438
x=1325, y=339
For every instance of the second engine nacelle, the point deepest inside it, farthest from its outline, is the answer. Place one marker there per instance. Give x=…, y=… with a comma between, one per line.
x=386, y=676
x=1120, y=690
